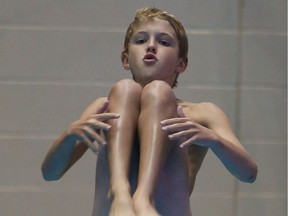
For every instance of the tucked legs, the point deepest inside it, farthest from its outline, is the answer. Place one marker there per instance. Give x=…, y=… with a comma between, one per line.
x=142, y=110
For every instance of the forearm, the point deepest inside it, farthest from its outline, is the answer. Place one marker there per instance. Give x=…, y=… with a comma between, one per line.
x=236, y=159
x=59, y=158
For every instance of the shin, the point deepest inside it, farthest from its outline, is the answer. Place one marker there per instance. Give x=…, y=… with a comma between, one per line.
x=157, y=103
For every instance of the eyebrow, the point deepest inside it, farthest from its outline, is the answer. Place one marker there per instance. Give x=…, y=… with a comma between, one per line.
x=158, y=33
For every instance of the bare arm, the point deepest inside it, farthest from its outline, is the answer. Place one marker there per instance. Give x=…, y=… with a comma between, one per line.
x=216, y=135
x=229, y=149
x=73, y=143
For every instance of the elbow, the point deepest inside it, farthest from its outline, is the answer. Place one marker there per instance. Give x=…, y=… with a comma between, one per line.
x=251, y=177
x=49, y=176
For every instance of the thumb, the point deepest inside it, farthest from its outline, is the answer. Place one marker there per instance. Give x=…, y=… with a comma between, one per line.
x=180, y=112
x=104, y=107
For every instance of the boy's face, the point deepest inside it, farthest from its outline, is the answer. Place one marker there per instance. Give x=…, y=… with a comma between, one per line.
x=154, y=53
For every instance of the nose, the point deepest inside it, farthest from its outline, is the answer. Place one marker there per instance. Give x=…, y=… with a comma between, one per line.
x=151, y=47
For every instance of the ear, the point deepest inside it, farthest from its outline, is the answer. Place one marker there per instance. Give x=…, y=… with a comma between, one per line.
x=125, y=60
x=181, y=66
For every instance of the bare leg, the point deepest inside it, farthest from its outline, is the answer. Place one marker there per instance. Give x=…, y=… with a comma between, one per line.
x=157, y=103
x=124, y=99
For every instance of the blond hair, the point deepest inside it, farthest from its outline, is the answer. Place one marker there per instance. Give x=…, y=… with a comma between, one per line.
x=145, y=14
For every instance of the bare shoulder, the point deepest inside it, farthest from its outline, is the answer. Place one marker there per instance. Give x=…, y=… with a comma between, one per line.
x=212, y=117
x=203, y=113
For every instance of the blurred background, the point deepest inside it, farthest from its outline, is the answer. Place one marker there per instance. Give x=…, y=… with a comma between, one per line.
x=57, y=56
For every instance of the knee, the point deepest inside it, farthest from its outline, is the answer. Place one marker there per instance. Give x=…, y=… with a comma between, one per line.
x=126, y=88
x=158, y=91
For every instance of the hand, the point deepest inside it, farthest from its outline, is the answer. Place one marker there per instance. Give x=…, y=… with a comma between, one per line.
x=88, y=130
x=188, y=132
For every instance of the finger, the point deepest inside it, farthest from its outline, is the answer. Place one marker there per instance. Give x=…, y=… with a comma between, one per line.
x=177, y=135
x=92, y=135
x=186, y=143
x=195, y=140
x=105, y=116
x=86, y=140
x=92, y=146
x=182, y=135
x=95, y=124
x=99, y=139
x=173, y=121
x=178, y=127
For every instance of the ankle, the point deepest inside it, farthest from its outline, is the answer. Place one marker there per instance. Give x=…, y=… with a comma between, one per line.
x=119, y=190
x=142, y=199
x=144, y=205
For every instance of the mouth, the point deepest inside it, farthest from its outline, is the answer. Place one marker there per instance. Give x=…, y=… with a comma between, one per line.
x=150, y=58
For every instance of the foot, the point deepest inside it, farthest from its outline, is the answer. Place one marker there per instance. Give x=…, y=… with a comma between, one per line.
x=144, y=207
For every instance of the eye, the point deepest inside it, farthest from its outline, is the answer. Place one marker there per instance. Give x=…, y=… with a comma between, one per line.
x=164, y=42
x=140, y=40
